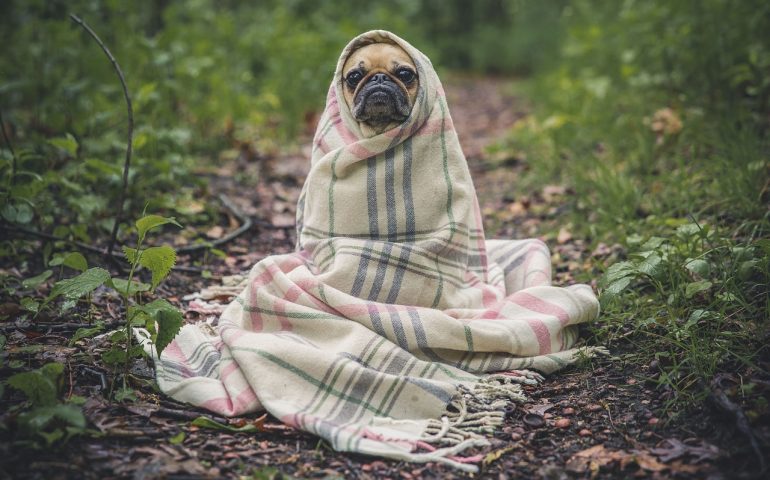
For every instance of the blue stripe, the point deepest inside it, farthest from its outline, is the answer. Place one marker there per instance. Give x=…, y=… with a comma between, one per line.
x=371, y=193
x=408, y=200
x=390, y=192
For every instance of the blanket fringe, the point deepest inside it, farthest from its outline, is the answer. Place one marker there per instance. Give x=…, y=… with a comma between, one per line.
x=471, y=414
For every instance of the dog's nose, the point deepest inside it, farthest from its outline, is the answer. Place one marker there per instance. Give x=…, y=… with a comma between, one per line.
x=379, y=78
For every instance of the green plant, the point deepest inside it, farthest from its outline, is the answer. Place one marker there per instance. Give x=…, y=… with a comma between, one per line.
x=159, y=317
x=696, y=302
x=45, y=418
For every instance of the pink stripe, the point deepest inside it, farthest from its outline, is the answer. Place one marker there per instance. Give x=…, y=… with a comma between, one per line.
x=432, y=127
x=537, y=247
x=481, y=245
x=538, y=305
x=226, y=406
x=228, y=370
x=542, y=334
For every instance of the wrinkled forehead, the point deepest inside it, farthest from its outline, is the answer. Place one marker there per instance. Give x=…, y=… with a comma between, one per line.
x=378, y=55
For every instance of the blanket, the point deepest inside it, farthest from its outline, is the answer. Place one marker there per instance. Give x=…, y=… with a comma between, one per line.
x=395, y=328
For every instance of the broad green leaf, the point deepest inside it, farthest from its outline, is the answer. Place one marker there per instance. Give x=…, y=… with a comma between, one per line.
x=158, y=260
x=653, y=243
x=126, y=394
x=616, y=272
x=81, y=333
x=177, y=439
x=30, y=304
x=70, y=414
x=67, y=143
x=147, y=223
x=35, y=420
x=74, y=260
x=9, y=212
x=39, y=385
x=699, y=267
x=130, y=254
x=114, y=356
x=169, y=320
x=206, y=422
x=651, y=265
x=748, y=268
x=764, y=244
x=52, y=370
x=617, y=287
x=694, y=288
x=37, y=280
x=52, y=437
x=76, y=287
x=121, y=284
x=17, y=213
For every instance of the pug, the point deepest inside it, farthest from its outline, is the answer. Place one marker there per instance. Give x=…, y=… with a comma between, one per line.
x=380, y=85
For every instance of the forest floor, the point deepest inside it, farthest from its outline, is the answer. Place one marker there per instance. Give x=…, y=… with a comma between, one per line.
x=600, y=420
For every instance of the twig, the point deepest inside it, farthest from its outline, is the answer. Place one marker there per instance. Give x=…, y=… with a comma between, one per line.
x=98, y=374
x=10, y=147
x=117, y=261
x=246, y=224
x=129, y=142
x=720, y=399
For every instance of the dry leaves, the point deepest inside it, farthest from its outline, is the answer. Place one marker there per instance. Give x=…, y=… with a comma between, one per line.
x=594, y=458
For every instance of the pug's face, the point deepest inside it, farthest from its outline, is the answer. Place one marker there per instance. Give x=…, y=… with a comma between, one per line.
x=380, y=84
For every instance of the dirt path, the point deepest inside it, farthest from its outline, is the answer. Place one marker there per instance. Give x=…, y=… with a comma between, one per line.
x=598, y=421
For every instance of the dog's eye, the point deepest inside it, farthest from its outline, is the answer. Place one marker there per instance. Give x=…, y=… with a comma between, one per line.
x=353, y=78
x=405, y=75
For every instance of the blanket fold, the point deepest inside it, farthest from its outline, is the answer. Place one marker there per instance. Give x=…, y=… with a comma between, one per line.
x=395, y=329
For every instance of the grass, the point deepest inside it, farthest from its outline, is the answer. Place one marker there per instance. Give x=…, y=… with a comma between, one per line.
x=685, y=194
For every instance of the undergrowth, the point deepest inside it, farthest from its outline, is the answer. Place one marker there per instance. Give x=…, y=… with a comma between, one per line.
x=655, y=115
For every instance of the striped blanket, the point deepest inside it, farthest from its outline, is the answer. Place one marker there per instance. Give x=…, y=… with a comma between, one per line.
x=395, y=329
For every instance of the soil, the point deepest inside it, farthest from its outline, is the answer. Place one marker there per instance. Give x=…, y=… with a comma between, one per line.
x=599, y=420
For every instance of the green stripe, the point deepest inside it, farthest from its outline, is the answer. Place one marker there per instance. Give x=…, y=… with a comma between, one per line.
x=374, y=351
x=301, y=315
x=468, y=338
x=328, y=389
x=558, y=360
x=308, y=378
x=447, y=178
x=394, y=259
x=331, y=192
x=474, y=233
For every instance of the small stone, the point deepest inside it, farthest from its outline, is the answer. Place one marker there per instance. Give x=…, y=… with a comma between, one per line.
x=594, y=407
x=562, y=423
x=631, y=381
x=515, y=437
x=653, y=421
x=585, y=432
x=568, y=411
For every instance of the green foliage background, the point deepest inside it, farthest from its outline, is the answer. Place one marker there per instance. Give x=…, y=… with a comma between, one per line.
x=655, y=112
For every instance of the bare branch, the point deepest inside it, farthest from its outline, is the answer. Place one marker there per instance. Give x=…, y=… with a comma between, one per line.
x=10, y=147
x=246, y=224
x=130, y=141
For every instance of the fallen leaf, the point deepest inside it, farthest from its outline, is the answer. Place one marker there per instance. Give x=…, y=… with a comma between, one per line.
x=539, y=409
x=495, y=455
x=596, y=457
x=562, y=423
x=673, y=448
x=215, y=232
x=564, y=236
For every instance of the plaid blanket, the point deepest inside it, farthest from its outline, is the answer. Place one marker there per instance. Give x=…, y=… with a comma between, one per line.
x=395, y=329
